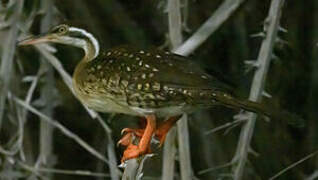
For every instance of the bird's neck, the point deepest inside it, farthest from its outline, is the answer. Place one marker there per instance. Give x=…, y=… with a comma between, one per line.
x=90, y=51
x=86, y=41
x=90, y=54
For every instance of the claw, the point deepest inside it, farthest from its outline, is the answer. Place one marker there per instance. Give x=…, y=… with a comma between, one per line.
x=155, y=141
x=125, y=130
x=137, y=132
x=122, y=165
x=126, y=140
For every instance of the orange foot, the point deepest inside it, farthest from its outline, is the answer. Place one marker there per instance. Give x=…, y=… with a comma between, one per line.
x=164, y=128
x=132, y=150
x=127, y=139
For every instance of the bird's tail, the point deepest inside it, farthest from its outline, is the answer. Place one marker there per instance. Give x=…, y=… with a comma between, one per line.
x=259, y=108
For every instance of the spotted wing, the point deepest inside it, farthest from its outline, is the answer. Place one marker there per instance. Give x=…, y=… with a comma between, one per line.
x=155, y=78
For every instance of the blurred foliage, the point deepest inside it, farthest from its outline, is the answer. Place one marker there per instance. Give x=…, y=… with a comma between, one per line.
x=292, y=81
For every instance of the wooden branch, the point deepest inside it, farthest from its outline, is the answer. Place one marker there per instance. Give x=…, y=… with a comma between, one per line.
x=131, y=169
x=184, y=149
x=175, y=37
x=209, y=27
x=134, y=167
x=311, y=155
x=47, y=96
x=60, y=127
x=169, y=155
x=8, y=50
x=77, y=172
x=263, y=60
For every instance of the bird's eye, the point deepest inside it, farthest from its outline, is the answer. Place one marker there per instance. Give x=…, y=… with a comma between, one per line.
x=62, y=29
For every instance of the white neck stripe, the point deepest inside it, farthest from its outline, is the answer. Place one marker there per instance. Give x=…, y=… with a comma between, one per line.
x=90, y=37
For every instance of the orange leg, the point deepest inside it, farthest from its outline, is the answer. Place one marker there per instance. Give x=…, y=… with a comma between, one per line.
x=129, y=133
x=143, y=147
x=164, y=128
x=160, y=133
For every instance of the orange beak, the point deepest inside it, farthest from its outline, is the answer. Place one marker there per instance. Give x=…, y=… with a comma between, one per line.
x=34, y=40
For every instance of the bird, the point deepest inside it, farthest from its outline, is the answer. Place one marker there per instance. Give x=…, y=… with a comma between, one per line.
x=149, y=83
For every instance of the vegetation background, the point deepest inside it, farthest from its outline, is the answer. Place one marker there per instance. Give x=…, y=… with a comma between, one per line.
x=31, y=148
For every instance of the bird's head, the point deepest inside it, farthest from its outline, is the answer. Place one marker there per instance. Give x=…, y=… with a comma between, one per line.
x=65, y=34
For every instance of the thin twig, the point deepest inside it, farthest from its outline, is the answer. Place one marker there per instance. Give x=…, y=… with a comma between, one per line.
x=17, y=146
x=313, y=176
x=22, y=115
x=293, y=165
x=8, y=50
x=111, y=151
x=63, y=129
x=20, y=132
x=258, y=83
x=209, y=27
x=214, y=168
x=62, y=171
x=185, y=15
x=48, y=96
x=31, y=90
x=224, y=126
